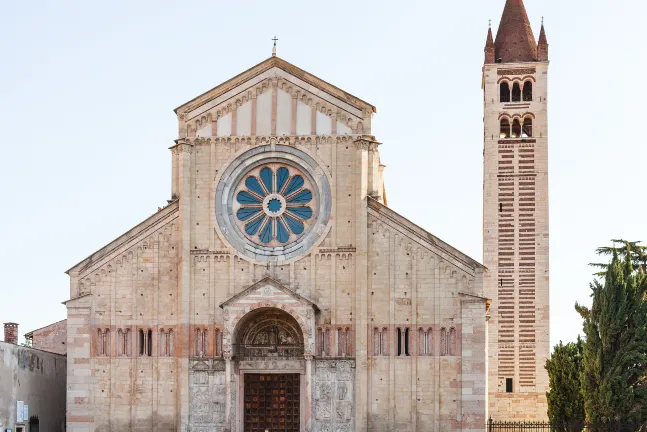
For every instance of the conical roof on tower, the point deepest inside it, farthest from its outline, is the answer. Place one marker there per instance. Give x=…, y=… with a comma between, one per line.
x=489, y=47
x=515, y=41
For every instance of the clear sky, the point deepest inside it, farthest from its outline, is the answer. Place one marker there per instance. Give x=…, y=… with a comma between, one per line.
x=87, y=90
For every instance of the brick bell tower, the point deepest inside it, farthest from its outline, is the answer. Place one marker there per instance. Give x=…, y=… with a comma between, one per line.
x=515, y=216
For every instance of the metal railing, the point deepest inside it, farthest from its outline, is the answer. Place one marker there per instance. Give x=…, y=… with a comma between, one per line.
x=265, y=351
x=608, y=426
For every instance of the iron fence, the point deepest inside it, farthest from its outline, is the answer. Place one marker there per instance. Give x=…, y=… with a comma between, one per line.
x=609, y=426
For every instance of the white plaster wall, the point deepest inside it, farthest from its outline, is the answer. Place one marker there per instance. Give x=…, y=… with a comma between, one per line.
x=204, y=131
x=264, y=114
x=38, y=379
x=283, y=113
x=244, y=119
x=324, y=124
x=224, y=125
x=304, y=119
x=342, y=129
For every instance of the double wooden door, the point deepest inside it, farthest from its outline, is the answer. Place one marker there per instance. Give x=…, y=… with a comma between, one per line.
x=272, y=403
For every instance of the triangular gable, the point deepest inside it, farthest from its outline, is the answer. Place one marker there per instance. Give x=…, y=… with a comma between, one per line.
x=268, y=289
x=424, y=238
x=264, y=66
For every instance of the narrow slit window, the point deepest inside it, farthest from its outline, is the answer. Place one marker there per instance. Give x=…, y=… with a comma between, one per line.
x=500, y=207
x=149, y=343
x=508, y=385
x=516, y=92
x=385, y=341
x=141, y=342
x=399, y=341
x=406, y=342
x=504, y=91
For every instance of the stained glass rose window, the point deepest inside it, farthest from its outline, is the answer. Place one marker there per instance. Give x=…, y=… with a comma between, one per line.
x=274, y=204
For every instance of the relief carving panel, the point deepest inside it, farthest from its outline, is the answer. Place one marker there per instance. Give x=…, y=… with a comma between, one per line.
x=334, y=395
x=207, y=396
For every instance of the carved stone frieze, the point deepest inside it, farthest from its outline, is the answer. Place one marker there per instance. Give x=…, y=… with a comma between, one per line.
x=334, y=395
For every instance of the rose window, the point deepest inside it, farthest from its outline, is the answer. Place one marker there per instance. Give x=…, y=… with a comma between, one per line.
x=274, y=204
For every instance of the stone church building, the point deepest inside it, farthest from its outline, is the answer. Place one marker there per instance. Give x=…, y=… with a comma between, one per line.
x=277, y=291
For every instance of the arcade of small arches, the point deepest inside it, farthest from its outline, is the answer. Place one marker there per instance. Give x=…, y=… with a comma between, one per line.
x=516, y=127
x=403, y=345
x=515, y=91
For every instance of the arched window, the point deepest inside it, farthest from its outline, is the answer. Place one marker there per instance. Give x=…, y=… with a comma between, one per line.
x=99, y=342
x=141, y=342
x=516, y=92
x=443, y=341
x=323, y=346
x=527, y=127
x=516, y=128
x=162, y=343
x=120, y=343
x=527, y=91
x=505, y=128
x=128, y=342
x=452, y=341
x=504, y=91
x=425, y=342
x=149, y=343
x=169, y=342
x=377, y=339
x=385, y=341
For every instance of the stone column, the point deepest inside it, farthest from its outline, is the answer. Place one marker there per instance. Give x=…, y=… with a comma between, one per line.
x=360, y=180
x=184, y=150
x=308, y=407
x=228, y=418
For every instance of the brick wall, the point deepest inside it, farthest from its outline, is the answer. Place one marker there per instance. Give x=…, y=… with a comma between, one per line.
x=51, y=338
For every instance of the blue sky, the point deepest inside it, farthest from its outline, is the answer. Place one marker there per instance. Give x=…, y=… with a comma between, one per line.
x=87, y=91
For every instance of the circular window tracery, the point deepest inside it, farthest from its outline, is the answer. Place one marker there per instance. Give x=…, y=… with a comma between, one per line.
x=274, y=204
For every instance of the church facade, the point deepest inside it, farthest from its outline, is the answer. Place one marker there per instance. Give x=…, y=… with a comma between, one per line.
x=277, y=291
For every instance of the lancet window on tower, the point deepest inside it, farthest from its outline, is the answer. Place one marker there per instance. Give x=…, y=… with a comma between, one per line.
x=516, y=128
x=527, y=91
x=516, y=92
x=505, y=128
x=504, y=88
x=527, y=128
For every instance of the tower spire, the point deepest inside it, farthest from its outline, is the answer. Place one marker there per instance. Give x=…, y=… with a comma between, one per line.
x=542, y=46
x=489, y=46
x=515, y=41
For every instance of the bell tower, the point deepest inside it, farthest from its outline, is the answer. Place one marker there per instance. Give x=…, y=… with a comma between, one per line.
x=515, y=216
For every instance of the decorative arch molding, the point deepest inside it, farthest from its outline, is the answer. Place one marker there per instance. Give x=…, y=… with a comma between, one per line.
x=268, y=294
x=323, y=106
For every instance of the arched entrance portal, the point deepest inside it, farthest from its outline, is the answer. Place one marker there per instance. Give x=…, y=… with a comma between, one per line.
x=268, y=353
x=268, y=333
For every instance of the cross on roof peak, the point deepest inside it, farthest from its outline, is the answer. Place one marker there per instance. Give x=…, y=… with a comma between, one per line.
x=274, y=48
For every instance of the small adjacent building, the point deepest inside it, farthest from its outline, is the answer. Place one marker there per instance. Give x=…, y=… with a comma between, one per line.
x=32, y=386
x=52, y=338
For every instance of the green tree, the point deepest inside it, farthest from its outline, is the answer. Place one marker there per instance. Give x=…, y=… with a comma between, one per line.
x=565, y=401
x=614, y=363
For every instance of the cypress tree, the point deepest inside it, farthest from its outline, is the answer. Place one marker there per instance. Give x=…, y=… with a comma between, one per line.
x=565, y=401
x=614, y=364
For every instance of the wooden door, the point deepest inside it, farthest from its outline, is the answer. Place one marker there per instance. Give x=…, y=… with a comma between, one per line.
x=272, y=402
